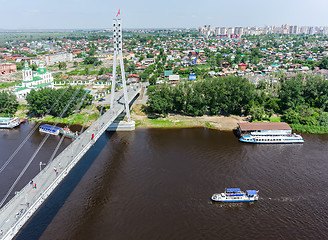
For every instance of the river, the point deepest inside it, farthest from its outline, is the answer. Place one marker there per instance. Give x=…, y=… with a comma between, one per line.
x=157, y=184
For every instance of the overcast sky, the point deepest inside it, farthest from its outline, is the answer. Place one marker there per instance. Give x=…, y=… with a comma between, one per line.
x=81, y=14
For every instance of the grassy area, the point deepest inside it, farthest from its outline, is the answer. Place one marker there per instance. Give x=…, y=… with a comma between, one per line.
x=271, y=119
x=303, y=128
x=22, y=111
x=11, y=84
x=309, y=129
x=208, y=125
x=79, y=118
x=162, y=123
x=203, y=67
x=82, y=118
x=275, y=119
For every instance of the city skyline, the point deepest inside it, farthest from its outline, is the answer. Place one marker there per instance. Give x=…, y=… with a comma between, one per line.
x=74, y=14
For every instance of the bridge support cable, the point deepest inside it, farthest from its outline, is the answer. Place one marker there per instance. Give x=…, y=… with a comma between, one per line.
x=30, y=134
x=37, y=150
x=84, y=124
x=47, y=182
x=126, y=100
x=62, y=138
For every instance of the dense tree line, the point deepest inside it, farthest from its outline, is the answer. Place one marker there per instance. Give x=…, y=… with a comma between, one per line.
x=8, y=103
x=302, y=99
x=229, y=95
x=41, y=101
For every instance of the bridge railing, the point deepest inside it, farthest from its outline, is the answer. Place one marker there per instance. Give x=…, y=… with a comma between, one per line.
x=69, y=158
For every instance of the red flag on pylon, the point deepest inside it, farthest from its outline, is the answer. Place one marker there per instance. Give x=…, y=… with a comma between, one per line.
x=119, y=12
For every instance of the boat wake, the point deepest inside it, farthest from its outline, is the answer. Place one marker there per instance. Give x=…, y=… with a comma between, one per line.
x=285, y=199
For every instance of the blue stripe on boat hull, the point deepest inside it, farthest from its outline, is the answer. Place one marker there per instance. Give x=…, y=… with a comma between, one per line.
x=246, y=141
x=236, y=201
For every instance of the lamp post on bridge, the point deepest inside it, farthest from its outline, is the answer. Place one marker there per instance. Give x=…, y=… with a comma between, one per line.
x=42, y=164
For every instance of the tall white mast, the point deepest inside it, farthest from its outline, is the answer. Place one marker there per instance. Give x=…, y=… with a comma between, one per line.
x=118, y=45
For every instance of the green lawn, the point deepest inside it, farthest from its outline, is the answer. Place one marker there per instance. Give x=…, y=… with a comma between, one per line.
x=275, y=119
x=11, y=84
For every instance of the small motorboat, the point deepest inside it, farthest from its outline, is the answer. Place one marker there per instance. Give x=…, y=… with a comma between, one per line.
x=68, y=133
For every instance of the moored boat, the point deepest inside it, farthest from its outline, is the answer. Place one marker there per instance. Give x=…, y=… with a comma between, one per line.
x=68, y=133
x=236, y=195
x=257, y=137
x=264, y=132
x=46, y=128
x=9, y=122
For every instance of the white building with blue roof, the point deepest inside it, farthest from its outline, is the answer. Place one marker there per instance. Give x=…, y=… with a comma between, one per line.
x=37, y=80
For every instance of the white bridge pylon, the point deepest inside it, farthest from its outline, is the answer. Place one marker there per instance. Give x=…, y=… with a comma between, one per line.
x=118, y=45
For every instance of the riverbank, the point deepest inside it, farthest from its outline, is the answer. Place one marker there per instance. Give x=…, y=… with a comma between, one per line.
x=85, y=117
x=222, y=123
x=143, y=120
x=179, y=121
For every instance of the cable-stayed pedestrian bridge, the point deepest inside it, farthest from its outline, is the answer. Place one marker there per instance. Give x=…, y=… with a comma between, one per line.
x=27, y=201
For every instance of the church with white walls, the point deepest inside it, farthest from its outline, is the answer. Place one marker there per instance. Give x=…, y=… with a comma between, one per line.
x=33, y=80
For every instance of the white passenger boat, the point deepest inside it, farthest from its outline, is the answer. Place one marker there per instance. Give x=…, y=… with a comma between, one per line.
x=9, y=122
x=271, y=137
x=236, y=195
x=46, y=128
x=266, y=132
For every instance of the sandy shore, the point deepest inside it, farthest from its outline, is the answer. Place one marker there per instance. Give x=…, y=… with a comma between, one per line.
x=174, y=120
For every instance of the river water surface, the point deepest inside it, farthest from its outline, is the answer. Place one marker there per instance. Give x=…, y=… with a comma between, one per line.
x=157, y=184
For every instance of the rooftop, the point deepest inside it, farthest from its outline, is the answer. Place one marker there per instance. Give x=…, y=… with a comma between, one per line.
x=264, y=126
x=42, y=85
x=20, y=89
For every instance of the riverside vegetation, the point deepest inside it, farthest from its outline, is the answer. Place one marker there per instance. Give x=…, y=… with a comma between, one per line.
x=39, y=102
x=301, y=101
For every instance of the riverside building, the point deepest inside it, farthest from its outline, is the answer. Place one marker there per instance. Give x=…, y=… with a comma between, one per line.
x=37, y=80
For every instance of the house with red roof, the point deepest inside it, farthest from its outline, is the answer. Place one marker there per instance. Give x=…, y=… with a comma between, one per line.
x=242, y=66
x=133, y=78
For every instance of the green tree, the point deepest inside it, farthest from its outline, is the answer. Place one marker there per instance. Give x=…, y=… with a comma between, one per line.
x=323, y=119
x=90, y=60
x=257, y=113
x=19, y=66
x=291, y=116
x=8, y=103
x=62, y=65
x=103, y=70
x=160, y=99
x=142, y=57
x=41, y=101
x=152, y=80
x=34, y=67
x=86, y=70
x=291, y=92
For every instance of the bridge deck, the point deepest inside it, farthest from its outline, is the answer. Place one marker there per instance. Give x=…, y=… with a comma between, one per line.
x=22, y=206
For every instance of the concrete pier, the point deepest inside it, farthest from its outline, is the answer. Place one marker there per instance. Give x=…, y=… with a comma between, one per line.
x=122, y=126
